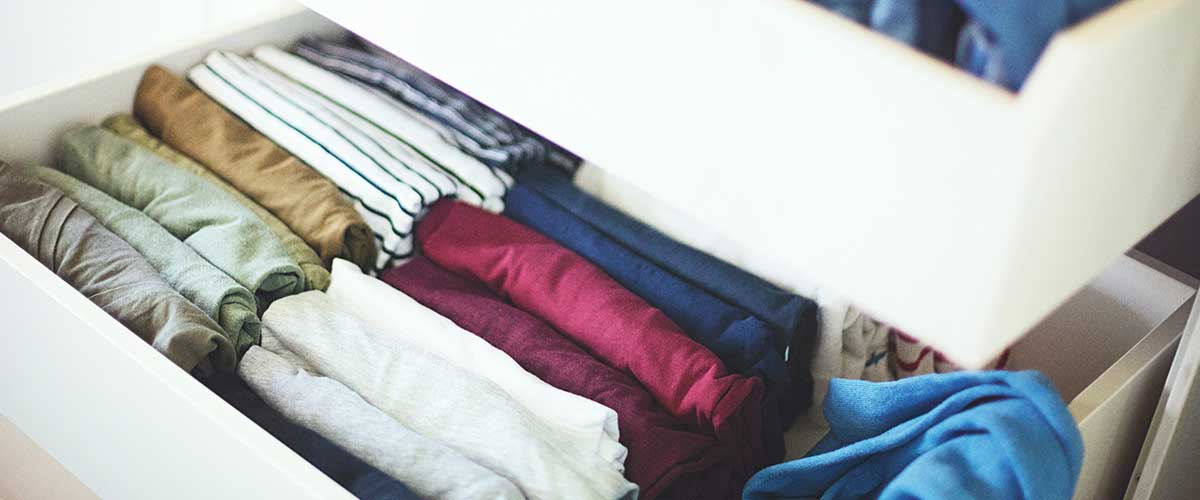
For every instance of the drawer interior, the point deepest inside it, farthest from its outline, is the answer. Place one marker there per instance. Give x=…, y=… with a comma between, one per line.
x=1077, y=345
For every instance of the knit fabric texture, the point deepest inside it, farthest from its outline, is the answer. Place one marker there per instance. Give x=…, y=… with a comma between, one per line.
x=192, y=123
x=665, y=458
x=579, y=300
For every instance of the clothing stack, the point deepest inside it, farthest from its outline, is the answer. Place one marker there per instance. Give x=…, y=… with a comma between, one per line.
x=413, y=293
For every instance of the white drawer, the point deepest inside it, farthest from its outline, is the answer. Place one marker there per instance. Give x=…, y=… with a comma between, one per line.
x=129, y=424
x=933, y=200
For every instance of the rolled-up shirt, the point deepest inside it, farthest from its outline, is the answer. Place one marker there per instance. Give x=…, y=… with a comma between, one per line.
x=579, y=300
x=665, y=458
x=208, y=219
x=214, y=292
x=479, y=184
x=433, y=397
x=743, y=342
x=337, y=413
x=316, y=277
x=476, y=129
x=359, y=478
x=66, y=239
x=312, y=206
x=379, y=306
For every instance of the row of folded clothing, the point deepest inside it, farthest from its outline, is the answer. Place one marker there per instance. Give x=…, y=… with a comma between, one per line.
x=526, y=339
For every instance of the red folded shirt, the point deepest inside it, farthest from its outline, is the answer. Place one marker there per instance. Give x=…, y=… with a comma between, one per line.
x=614, y=325
x=664, y=458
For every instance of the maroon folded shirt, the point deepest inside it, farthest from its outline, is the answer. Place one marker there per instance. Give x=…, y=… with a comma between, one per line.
x=614, y=325
x=664, y=458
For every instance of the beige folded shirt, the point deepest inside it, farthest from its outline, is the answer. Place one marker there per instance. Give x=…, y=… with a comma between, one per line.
x=312, y=206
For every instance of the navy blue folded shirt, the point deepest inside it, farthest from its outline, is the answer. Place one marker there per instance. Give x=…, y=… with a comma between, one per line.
x=359, y=478
x=793, y=319
x=743, y=342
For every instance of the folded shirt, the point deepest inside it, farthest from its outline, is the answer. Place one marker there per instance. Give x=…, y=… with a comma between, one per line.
x=384, y=309
x=578, y=299
x=439, y=400
x=311, y=205
x=910, y=357
x=274, y=107
x=316, y=277
x=102, y=267
x=743, y=342
x=474, y=128
x=361, y=480
x=209, y=220
x=337, y=413
x=960, y=435
x=479, y=184
x=665, y=459
x=230, y=304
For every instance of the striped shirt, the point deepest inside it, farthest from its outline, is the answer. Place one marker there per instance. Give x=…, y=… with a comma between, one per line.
x=486, y=184
x=473, y=127
x=316, y=136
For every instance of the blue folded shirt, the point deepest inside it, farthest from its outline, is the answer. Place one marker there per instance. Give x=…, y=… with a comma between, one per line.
x=995, y=435
x=743, y=342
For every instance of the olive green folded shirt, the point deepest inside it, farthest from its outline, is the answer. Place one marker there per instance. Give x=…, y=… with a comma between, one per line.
x=210, y=221
x=316, y=277
x=69, y=241
x=209, y=288
x=188, y=120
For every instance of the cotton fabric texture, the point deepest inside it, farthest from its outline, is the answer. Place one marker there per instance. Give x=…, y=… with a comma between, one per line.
x=102, y=267
x=309, y=129
x=962, y=435
x=744, y=343
x=230, y=304
x=378, y=305
x=665, y=458
x=329, y=408
x=474, y=128
x=192, y=123
x=437, y=399
x=579, y=300
x=911, y=357
x=478, y=183
x=360, y=479
x=316, y=277
x=209, y=220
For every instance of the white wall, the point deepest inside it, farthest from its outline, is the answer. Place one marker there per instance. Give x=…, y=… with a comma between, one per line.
x=48, y=42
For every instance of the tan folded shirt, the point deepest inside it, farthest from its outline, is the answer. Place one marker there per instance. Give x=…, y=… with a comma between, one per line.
x=316, y=276
x=311, y=205
x=105, y=269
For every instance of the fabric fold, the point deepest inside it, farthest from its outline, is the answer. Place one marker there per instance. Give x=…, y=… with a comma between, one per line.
x=479, y=184
x=324, y=141
x=337, y=413
x=360, y=479
x=230, y=304
x=209, y=220
x=316, y=277
x=473, y=127
x=959, y=435
x=192, y=123
x=743, y=342
x=104, y=268
x=386, y=309
x=572, y=295
x=665, y=459
x=437, y=399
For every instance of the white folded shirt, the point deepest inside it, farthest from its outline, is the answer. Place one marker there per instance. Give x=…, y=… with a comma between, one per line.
x=386, y=309
x=441, y=401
